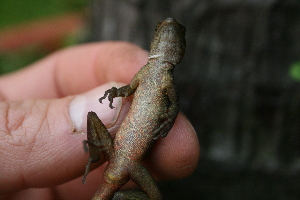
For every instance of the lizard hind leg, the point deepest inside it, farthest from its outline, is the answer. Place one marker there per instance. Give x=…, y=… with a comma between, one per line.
x=99, y=141
x=140, y=175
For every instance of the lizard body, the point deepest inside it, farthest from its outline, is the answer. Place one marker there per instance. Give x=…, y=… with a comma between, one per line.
x=152, y=114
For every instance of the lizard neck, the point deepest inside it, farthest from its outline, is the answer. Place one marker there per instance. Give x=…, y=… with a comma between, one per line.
x=158, y=62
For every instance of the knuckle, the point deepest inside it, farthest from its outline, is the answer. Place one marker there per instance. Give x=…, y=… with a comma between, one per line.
x=18, y=123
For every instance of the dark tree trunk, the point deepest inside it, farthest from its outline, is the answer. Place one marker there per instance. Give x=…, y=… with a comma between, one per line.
x=234, y=85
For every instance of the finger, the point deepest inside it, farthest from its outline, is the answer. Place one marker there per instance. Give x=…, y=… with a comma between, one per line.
x=74, y=70
x=41, y=140
x=177, y=155
x=40, y=144
x=31, y=193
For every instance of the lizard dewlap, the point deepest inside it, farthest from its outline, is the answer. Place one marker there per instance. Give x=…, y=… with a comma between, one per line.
x=152, y=114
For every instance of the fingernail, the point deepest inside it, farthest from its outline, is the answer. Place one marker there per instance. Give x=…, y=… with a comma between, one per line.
x=83, y=103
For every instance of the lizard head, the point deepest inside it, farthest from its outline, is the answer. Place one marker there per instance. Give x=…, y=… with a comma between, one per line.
x=168, y=42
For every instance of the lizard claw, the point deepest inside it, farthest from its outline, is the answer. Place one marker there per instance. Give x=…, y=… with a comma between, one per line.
x=112, y=93
x=163, y=129
x=162, y=132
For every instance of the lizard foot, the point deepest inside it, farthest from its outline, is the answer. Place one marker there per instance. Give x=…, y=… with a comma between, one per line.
x=163, y=129
x=112, y=93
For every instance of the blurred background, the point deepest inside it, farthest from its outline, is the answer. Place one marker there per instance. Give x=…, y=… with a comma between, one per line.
x=238, y=83
x=31, y=29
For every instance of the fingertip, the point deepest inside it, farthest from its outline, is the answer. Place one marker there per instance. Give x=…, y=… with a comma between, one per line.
x=83, y=103
x=189, y=147
x=84, y=67
x=177, y=155
x=120, y=61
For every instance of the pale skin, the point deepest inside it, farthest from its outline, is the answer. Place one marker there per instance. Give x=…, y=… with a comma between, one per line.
x=27, y=126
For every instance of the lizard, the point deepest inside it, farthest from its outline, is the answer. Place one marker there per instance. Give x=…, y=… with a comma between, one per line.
x=151, y=115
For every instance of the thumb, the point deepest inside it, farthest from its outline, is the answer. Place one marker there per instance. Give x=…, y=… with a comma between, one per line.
x=41, y=140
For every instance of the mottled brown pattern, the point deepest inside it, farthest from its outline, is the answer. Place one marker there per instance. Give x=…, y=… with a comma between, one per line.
x=151, y=116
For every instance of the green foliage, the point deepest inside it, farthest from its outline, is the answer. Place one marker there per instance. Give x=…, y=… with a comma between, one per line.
x=295, y=71
x=17, y=11
x=20, y=11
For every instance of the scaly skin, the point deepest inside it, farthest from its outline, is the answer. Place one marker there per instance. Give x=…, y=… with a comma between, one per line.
x=152, y=114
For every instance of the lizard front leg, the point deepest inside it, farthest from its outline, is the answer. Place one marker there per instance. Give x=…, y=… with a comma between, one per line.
x=168, y=118
x=124, y=91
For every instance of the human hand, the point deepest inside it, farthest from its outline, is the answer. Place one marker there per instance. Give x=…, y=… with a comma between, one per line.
x=43, y=112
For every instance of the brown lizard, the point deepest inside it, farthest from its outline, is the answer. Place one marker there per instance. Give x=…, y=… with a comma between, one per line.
x=152, y=114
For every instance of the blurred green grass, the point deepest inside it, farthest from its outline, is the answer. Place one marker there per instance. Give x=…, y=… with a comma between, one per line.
x=18, y=11
x=295, y=71
x=13, y=13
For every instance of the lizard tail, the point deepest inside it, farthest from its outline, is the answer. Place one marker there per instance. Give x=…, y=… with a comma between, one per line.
x=130, y=195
